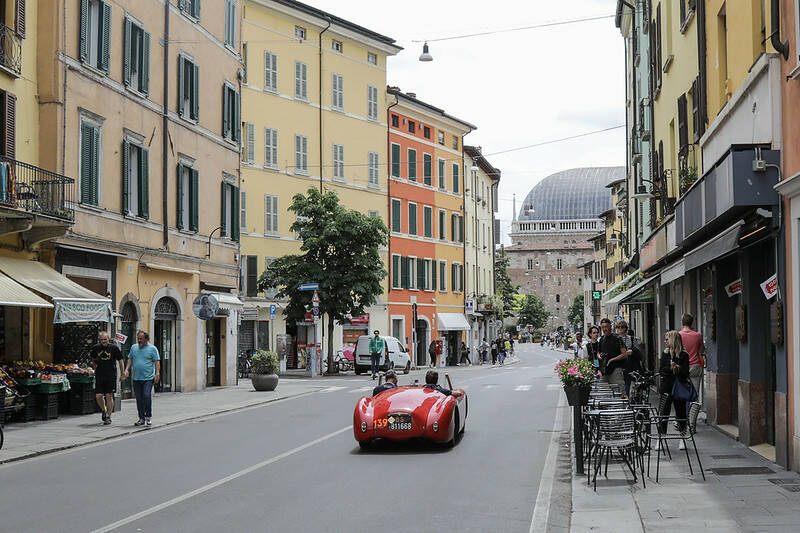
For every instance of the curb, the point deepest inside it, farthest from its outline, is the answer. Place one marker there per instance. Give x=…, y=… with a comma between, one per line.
x=159, y=426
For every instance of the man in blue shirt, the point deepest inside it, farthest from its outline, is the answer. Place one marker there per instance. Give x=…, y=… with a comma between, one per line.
x=146, y=364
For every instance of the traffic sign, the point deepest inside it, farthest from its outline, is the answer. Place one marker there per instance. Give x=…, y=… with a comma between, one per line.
x=273, y=310
x=308, y=287
x=315, y=311
x=315, y=299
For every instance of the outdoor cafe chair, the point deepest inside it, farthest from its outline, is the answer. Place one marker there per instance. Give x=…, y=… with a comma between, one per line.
x=664, y=438
x=615, y=432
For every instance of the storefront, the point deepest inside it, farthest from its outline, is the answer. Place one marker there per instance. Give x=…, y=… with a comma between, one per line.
x=452, y=328
x=355, y=328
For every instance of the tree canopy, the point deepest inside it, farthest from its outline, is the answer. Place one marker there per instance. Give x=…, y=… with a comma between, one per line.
x=505, y=288
x=575, y=315
x=533, y=312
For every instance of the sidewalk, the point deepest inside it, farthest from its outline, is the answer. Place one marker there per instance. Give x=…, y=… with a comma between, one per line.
x=23, y=440
x=766, y=499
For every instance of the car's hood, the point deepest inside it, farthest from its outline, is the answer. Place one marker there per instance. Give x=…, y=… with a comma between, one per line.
x=406, y=399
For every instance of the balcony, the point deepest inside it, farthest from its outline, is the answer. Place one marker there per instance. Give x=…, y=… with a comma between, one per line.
x=10, y=50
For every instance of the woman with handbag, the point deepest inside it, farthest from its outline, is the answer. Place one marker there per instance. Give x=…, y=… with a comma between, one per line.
x=673, y=368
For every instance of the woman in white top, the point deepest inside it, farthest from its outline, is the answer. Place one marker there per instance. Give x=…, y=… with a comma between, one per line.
x=579, y=346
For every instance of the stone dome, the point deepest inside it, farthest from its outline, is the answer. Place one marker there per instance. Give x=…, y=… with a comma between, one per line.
x=578, y=193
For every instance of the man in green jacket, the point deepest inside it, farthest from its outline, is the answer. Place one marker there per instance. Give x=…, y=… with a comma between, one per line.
x=376, y=347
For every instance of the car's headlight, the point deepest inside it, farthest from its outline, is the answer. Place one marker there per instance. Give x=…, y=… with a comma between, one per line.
x=363, y=427
x=435, y=426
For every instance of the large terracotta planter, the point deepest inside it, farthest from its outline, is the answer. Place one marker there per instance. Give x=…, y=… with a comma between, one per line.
x=264, y=382
x=577, y=395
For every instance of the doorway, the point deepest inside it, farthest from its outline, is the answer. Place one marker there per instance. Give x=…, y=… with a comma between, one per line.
x=213, y=359
x=166, y=316
x=128, y=328
x=421, y=348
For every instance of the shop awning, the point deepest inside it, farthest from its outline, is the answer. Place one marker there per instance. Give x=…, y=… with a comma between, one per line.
x=452, y=322
x=227, y=300
x=621, y=283
x=73, y=303
x=640, y=293
x=720, y=245
x=673, y=272
x=15, y=295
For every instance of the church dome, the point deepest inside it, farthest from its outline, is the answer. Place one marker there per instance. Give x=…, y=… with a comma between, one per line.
x=575, y=194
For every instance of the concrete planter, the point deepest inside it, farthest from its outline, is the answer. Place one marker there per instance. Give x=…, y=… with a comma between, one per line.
x=264, y=382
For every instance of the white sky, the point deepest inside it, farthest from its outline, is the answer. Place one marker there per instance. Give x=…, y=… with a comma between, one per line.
x=518, y=88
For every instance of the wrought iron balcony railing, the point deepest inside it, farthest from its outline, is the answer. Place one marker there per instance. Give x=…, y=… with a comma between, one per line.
x=36, y=190
x=10, y=49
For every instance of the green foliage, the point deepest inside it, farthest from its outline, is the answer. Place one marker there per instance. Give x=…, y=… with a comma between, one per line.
x=579, y=371
x=533, y=312
x=265, y=362
x=575, y=315
x=505, y=288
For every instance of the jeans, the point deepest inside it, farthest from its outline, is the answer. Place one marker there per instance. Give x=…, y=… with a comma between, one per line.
x=696, y=376
x=680, y=413
x=144, y=398
x=465, y=355
x=374, y=359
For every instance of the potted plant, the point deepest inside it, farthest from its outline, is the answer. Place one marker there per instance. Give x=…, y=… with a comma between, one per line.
x=264, y=373
x=577, y=376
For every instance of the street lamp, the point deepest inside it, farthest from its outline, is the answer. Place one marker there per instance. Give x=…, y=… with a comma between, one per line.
x=425, y=56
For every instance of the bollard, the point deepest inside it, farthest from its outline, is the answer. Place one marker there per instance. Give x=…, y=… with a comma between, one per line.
x=577, y=428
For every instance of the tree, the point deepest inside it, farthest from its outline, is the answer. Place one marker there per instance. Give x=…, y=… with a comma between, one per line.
x=341, y=252
x=575, y=315
x=533, y=312
x=505, y=288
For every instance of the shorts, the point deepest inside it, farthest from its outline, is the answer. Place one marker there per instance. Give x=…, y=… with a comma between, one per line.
x=105, y=385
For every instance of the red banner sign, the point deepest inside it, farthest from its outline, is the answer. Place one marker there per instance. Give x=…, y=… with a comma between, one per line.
x=734, y=288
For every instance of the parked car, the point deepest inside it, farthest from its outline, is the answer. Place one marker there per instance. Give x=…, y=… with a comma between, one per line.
x=395, y=355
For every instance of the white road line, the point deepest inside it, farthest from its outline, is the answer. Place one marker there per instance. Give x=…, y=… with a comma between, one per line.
x=554, y=386
x=522, y=388
x=541, y=510
x=332, y=389
x=489, y=386
x=219, y=482
x=362, y=389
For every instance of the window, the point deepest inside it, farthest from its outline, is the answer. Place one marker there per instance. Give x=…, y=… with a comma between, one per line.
x=412, y=218
x=250, y=275
x=559, y=280
x=683, y=130
x=442, y=175
x=559, y=264
x=426, y=274
x=395, y=160
x=395, y=271
x=190, y=7
x=457, y=277
x=300, y=80
x=558, y=298
x=530, y=264
x=136, y=60
x=456, y=186
x=427, y=221
x=455, y=142
x=412, y=127
x=338, y=161
x=249, y=152
x=301, y=154
x=372, y=213
x=187, y=198
x=188, y=87
x=270, y=71
x=442, y=276
x=427, y=168
x=337, y=45
x=395, y=121
x=229, y=220
x=270, y=214
x=230, y=23
x=411, y=267
x=135, y=180
x=90, y=163
x=243, y=210
x=372, y=162
x=396, y=216
x=412, y=164
x=95, y=33
x=426, y=132
x=337, y=101
x=270, y=148
x=442, y=224
x=231, y=114
x=372, y=59
x=8, y=135
x=300, y=32
x=441, y=137
x=372, y=102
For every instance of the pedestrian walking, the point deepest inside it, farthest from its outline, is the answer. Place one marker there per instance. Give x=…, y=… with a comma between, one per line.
x=146, y=363
x=695, y=347
x=484, y=346
x=495, y=350
x=464, y=354
x=432, y=353
x=439, y=350
x=579, y=346
x=612, y=354
x=506, y=351
x=632, y=363
x=376, y=348
x=511, y=343
x=674, y=364
x=106, y=357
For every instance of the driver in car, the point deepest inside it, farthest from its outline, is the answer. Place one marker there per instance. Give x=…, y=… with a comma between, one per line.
x=432, y=382
x=391, y=383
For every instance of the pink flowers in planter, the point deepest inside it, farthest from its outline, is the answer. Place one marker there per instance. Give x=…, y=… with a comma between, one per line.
x=578, y=371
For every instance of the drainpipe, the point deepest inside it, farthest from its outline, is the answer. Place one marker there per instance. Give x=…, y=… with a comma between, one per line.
x=320, y=101
x=702, y=40
x=775, y=37
x=389, y=185
x=165, y=136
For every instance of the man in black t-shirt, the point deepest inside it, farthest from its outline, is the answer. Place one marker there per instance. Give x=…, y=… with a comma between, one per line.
x=105, y=356
x=613, y=353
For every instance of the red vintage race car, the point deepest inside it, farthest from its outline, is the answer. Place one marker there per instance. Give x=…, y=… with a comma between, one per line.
x=410, y=412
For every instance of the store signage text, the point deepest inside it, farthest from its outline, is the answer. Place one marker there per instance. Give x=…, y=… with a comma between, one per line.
x=734, y=288
x=770, y=286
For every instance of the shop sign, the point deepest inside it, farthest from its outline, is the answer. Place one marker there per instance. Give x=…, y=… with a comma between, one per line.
x=205, y=307
x=361, y=319
x=734, y=288
x=469, y=306
x=66, y=312
x=120, y=338
x=770, y=286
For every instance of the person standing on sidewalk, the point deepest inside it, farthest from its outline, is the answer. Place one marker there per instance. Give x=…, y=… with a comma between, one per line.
x=376, y=347
x=579, y=346
x=495, y=350
x=632, y=363
x=482, y=348
x=464, y=354
x=105, y=358
x=695, y=347
x=432, y=352
x=674, y=364
x=146, y=363
x=593, y=347
x=613, y=354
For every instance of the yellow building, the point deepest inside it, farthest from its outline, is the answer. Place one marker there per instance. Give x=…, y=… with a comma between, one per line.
x=140, y=101
x=615, y=245
x=314, y=116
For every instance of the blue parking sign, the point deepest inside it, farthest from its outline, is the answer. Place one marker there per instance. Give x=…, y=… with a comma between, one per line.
x=273, y=310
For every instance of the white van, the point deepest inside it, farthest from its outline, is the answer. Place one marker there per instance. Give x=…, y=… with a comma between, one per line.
x=394, y=356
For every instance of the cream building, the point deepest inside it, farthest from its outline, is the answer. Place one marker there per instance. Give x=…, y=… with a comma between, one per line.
x=139, y=100
x=314, y=99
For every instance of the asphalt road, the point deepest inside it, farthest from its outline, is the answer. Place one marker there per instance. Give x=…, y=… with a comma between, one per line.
x=294, y=466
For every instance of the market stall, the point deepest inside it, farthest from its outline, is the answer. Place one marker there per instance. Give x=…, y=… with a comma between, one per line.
x=35, y=390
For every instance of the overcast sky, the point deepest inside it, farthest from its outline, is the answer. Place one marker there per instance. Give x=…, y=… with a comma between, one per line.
x=518, y=88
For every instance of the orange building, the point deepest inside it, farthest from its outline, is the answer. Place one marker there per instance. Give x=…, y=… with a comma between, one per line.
x=426, y=246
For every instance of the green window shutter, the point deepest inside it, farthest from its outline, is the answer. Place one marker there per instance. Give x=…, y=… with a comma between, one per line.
x=461, y=228
x=396, y=160
x=236, y=215
x=420, y=274
x=226, y=118
x=83, y=51
x=181, y=83
x=86, y=162
x=404, y=272
x=127, y=40
x=453, y=277
x=126, y=182
x=195, y=92
x=194, y=193
x=396, y=216
x=181, y=4
x=144, y=74
x=223, y=223
x=179, y=198
x=434, y=266
x=453, y=227
x=412, y=219
x=95, y=165
x=412, y=165
x=427, y=168
x=144, y=183
x=237, y=122
x=395, y=271
x=197, y=7
x=428, y=222
x=105, y=45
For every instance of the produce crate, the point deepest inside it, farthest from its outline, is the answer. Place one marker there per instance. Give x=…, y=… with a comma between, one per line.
x=55, y=378
x=63, y=402
x=28, y=382
x=48, y=405
x=49, y=388
x=30, y=411
x=80, y=379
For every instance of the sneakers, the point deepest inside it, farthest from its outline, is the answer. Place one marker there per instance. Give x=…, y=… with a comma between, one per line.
x=148, y=422
x=104, y=417
x=682, y=445
x=107, y=421
x=139, y=422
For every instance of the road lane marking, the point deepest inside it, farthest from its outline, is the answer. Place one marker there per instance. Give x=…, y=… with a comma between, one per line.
x=219, y=482
x=541, y=509
x=489, y=386
x=554, y=386
x=331, y=389
x=522, y=388
x=362, y=389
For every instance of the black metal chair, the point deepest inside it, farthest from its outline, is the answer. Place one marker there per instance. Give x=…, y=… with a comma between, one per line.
x=685, y=436
x=615, y=431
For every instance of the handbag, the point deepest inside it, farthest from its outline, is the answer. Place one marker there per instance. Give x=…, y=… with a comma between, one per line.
x=684, y=391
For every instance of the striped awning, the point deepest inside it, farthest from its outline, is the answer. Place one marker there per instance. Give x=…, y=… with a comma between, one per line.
x=15, y=295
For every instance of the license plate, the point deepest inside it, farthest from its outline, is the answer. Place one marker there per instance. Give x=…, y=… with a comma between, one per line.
x=399, y=422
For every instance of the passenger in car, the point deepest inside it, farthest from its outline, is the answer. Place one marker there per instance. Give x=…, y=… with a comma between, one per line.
x=391, y=383
x=432, y=382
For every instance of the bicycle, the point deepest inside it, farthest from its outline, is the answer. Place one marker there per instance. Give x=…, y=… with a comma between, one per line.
x=245, y=364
